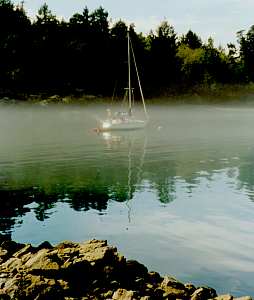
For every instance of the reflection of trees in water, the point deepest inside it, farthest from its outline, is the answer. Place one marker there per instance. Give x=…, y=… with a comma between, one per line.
x=166, y=191
x=83, y=200
x=14, y=203
x=88, y=188
x=92, y=188
x=246, y=176
x=12, y=206
x=164, y=183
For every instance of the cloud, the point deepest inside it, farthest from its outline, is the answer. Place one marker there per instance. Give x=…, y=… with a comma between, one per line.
x=146, y=24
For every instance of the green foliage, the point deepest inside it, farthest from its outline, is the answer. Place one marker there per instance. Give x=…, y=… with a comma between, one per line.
x=88, y=54
x=81, y=19
x=191, y=40
x=165, y=31
x=246, y=42
x=191, y=63
x=14, y=32
x=6, y=4
x=99, y=21
x=45, y=15
x=163, y=60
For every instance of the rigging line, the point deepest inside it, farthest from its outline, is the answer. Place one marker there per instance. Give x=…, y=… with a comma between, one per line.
x=114, y=92
x=124, y=98
x=129, y=71
x=140, y=88
x=132, y=92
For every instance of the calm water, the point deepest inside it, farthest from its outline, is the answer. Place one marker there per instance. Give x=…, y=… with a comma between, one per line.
x=178, y=196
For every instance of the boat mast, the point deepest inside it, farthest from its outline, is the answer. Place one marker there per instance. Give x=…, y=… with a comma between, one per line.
x=139, y=83
x=129, y=74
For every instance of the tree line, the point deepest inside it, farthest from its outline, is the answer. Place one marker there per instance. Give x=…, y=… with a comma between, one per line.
x=87, y=53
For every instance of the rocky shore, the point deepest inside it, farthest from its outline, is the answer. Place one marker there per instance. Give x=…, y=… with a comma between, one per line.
x=89, y=270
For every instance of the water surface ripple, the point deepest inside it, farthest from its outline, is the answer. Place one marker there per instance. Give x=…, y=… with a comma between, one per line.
x=178, y=196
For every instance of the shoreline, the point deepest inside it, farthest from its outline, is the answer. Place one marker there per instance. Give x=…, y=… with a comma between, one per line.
x=200, y=94
x=89, y=270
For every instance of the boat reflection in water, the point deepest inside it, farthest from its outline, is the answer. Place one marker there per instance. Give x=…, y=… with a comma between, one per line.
x=134, y=167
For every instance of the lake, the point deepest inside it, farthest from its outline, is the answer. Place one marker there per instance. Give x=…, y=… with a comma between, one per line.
x=177, y=196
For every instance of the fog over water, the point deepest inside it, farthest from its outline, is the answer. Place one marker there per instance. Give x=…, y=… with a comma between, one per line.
x=178, y=196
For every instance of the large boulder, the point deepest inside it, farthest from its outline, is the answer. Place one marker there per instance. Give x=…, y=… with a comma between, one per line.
x=203, y=293
x=224, y=297
x=122, y=294
x=174, y=288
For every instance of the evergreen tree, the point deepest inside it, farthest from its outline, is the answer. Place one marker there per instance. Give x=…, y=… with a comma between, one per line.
x=246, y=42
x=163, y=60
x=14, y=39
x=191, y=40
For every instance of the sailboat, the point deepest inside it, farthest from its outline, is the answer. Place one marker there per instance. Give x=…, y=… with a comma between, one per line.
x=125, y=120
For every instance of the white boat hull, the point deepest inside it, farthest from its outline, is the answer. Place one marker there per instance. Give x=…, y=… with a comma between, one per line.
x=130, y=124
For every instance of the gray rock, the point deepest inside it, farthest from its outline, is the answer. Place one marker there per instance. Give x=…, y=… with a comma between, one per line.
x=170, y=281
x=173, y=288
x=89, y=270
x=11, y=246
x=3, y=254
x=97, y=251
x=108, y=295
x=224, y=297
x=54, y=98
x=154, y=278
x=11, y=264
x=41, y=260
x=122, y=294
x=204, y=293
x=190, y=288
x=45, y=245
x=26, y=249
x=135, y=269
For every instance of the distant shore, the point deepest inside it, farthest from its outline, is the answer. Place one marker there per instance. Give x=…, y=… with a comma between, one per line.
x=200, y=94
x=89, y=270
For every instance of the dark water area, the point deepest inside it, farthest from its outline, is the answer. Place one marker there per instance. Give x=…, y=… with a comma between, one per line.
x=178, y=196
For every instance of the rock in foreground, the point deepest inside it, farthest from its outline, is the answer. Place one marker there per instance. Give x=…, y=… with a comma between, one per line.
x=90, y=270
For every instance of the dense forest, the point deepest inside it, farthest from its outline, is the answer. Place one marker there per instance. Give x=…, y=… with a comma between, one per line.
x=87, y=53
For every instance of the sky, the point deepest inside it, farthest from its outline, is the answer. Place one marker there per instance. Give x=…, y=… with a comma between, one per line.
x=219, y=19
